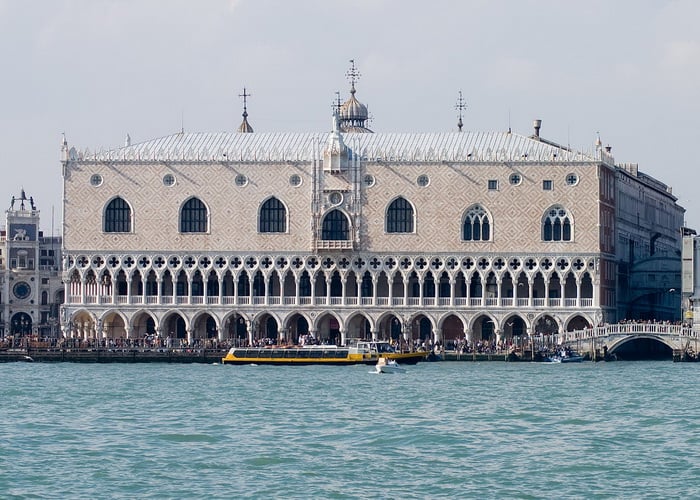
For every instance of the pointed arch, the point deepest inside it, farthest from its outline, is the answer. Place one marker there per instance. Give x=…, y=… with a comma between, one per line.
x=335, y=226
x=272, y=217
x=400, y=216
x=557, y=224
x=476, y=224
x=194, y=216
x=117, y=216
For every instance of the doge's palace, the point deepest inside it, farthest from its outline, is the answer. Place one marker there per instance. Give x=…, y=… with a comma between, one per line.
x=344, y=234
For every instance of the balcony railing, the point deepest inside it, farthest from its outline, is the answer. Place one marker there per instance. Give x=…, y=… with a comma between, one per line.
x=335, y=301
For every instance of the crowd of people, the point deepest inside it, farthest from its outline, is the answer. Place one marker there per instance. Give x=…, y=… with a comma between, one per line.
x=157, y=342
x=625, y=321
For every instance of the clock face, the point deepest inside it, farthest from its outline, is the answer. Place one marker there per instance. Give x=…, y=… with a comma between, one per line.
x=21, y=290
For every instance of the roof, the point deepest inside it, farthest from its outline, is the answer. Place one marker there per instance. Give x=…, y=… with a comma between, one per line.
x=397, y=147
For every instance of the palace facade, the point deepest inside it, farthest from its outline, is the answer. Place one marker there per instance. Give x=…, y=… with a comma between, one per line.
x=351, y=234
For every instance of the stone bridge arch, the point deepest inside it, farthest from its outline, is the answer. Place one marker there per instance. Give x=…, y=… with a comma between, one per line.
x=640, y=345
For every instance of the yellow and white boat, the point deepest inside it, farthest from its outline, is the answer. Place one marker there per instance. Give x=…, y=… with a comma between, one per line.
x=363, y=353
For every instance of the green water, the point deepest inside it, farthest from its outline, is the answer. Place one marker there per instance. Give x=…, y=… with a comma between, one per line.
x=440, y=430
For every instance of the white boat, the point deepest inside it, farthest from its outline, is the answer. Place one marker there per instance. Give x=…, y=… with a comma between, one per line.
x=565, y=357
x=385, y=365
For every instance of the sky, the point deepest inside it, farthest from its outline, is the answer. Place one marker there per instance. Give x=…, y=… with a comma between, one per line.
x=97, y=70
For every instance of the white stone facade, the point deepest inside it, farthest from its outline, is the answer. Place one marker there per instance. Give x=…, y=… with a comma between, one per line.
x=398, y=263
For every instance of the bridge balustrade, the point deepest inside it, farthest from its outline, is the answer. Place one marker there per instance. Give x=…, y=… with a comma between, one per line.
x=629, y=329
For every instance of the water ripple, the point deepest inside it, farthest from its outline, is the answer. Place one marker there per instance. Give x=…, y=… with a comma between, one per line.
x=441, y=430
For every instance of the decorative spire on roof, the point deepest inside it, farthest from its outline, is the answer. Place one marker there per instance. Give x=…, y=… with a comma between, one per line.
x=245, y=126
x=352, y=113
x=335, y=154
x=353, y=75
x=337, y=104
x=460, y=106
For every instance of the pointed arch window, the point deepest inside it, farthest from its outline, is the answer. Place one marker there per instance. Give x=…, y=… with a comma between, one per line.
x=273, y=217
x=194, y=217
x=305, y=285
x=477, y=225
x=400, y=216
x=335, y=226
x=557, y=225
x=117, y=216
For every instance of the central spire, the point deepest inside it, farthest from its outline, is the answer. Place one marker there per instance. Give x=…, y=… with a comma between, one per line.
x=352, y=114
x=460, y=106
x=245, y=126
x=353, y=75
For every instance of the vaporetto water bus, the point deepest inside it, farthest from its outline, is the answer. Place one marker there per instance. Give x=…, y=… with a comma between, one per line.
x=363, y=353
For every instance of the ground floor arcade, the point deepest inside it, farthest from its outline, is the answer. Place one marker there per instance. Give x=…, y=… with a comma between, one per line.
x=239, y=327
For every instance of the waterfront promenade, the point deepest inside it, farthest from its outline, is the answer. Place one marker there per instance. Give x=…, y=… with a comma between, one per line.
x=114, y=355
x=597, y=343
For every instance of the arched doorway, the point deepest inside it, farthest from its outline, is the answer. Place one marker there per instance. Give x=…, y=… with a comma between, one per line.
x=174, y=327
x=515, y=333
x=483, y=333
x=546, y=328
x=236, y=330
x=142, y=325
x=452, y=332
x=21, y=324
x=297, y=329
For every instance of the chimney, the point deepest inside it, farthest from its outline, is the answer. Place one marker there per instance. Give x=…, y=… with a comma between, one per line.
x=538, y=125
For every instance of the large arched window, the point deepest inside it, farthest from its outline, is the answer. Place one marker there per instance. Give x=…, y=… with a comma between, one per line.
x=117, y=216
x=335, y=226
x=273, y=217
x=399, y=216
x=476, y=226
x=556, y=225
x=194, y=217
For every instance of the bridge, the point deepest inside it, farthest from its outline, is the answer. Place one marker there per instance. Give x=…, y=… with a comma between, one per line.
x=613, y=339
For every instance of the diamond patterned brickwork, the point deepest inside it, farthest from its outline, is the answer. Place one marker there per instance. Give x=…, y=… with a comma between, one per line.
x=515, y=211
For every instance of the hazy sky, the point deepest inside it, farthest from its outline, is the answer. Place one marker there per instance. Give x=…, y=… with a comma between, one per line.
x=97, y=70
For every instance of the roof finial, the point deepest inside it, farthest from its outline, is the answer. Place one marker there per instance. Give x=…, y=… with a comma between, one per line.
x=353, y=75
x=460, y=106
x=337, y=103
x=245, y=126
x=245, y=96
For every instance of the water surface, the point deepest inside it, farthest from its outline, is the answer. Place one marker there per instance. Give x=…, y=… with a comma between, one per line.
x=440, y=430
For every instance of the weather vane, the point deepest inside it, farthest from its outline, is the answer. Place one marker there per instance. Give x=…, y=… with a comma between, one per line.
x=245, y=96
x=336, y=104
x=353, y=75
x=460, y=106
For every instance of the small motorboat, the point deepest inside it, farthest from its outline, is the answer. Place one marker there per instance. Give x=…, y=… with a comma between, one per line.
x=385, y=365
x=564, y=356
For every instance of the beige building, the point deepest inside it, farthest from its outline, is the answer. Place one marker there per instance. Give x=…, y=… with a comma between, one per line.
x=343, y=234
x=30, y=279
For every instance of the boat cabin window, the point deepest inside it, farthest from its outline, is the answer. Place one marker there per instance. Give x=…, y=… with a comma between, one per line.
x=384, y=348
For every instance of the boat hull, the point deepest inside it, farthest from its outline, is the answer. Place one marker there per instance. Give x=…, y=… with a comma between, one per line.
x=313, y=356
x=390, y=369
x=565, y=359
